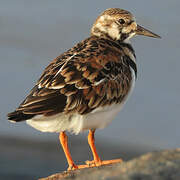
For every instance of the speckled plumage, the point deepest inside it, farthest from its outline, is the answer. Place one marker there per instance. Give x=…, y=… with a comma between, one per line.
x=95, y=74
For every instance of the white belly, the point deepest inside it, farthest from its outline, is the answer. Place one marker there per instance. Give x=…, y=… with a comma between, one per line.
x=76, y=123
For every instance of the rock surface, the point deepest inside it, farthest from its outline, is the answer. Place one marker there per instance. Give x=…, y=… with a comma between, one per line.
x=162, y=165
x=40, y=157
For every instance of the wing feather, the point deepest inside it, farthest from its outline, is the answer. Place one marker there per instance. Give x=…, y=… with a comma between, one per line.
x=98, y=74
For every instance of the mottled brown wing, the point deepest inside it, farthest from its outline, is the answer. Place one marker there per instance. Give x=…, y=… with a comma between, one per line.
x=90, y=75
x=80, y=87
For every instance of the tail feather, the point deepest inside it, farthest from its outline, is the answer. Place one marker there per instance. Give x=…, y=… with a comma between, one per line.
x=18, y=116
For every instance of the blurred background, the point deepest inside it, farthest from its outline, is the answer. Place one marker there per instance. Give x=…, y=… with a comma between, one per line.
x=34, y=32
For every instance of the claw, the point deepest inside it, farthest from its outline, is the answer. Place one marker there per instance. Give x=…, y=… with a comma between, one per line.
x=101, y=163
x=72, y=167
x=75, y=167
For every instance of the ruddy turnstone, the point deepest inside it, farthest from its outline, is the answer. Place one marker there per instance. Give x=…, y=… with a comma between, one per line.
x=85, y=87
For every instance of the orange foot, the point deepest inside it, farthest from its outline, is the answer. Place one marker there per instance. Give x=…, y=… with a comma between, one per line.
x=93, y=164
x=74, y=167
x=100, y=163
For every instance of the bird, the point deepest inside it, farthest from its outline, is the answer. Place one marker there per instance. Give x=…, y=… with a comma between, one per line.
x=85, y=87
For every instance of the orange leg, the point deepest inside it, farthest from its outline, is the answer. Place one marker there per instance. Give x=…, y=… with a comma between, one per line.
x=97, y=161
x=64, y=142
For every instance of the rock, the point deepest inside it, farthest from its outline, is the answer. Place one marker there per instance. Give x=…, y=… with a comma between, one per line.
x=43, y=155
x=162, y=165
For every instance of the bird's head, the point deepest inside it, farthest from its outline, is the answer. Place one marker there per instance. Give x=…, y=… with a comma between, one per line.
x=119, y=25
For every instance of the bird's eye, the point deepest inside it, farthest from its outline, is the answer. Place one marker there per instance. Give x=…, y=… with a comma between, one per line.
x=121, y=21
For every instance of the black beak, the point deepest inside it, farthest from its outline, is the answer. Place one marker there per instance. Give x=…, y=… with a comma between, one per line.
x=142, y=31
